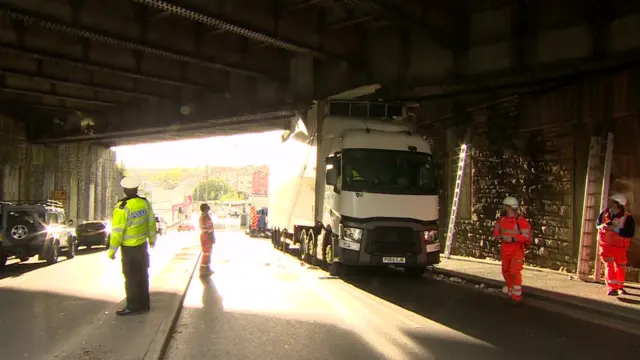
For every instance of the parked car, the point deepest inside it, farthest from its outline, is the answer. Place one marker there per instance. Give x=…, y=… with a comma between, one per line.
x=161, y=225
x=94, y=233
x=186, y=226
x=30, y=228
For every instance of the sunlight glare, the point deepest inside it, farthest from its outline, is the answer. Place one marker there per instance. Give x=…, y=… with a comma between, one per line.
x=236, y=150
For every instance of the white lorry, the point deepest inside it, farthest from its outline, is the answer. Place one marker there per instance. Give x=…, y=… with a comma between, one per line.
x=359, y=191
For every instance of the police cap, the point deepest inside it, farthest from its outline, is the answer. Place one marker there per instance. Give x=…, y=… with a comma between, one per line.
x=130, y=182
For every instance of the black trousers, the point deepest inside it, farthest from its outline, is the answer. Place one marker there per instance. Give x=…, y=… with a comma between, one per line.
x=135, y=267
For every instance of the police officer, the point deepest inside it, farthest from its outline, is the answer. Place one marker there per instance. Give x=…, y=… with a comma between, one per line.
x=132, y=225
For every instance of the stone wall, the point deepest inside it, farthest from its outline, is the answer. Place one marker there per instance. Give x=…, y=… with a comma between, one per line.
x=35, y=172
x=507, y=159
x=535, y=146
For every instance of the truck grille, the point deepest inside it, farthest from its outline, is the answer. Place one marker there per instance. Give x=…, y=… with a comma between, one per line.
x=389, y=240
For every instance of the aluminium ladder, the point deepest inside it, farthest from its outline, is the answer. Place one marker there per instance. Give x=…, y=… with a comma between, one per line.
x=454, y=203
x=596, y=193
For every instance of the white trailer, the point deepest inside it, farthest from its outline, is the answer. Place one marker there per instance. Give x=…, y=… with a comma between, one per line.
x=367, y=196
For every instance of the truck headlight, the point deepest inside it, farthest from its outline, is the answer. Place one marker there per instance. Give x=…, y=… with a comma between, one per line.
x=430, y=236
x=352, y=234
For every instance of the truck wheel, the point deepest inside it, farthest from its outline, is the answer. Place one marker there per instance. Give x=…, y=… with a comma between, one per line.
x=304, y=246
x=327, y=258
x=313, y=249
x=273, y=237
x=415, y=271
x=52, y=257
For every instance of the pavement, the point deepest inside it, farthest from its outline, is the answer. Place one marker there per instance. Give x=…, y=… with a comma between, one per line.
x=555, y=290
x=263, y=304
x=67, y=310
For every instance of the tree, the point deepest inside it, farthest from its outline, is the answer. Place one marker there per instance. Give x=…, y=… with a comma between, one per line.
x=216, y=189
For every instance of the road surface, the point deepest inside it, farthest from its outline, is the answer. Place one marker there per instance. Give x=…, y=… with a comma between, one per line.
x=261, y=304
x=42, y=306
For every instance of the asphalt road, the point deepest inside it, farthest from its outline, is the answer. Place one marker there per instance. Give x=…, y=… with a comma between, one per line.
x=261, y=304
x=43, y=307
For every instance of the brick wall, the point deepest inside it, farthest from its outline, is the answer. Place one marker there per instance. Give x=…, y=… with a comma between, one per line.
x=510, y=157
x=536, y=167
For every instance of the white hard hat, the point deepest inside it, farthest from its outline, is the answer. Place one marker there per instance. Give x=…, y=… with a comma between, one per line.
x=619, y=198
x=510, y=201
x=130, y=182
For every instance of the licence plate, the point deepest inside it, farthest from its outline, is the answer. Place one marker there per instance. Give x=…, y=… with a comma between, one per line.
x=393, y=260
x=433, y=247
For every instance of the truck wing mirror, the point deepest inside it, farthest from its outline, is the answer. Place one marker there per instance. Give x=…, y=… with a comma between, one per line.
x=332, y=177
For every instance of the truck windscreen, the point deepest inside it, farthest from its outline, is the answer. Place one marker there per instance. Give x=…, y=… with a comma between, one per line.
x=388, y=172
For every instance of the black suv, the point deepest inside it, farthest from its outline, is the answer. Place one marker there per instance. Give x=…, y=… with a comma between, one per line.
x=30, y=228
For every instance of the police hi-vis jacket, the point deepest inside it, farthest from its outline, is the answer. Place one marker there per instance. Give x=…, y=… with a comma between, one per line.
x=132, y=224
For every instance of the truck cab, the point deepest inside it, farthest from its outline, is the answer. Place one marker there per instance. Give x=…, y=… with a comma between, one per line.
x=354, y=186
x=381, y=201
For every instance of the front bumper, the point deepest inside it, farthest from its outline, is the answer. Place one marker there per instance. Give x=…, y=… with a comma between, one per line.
x=392, y=242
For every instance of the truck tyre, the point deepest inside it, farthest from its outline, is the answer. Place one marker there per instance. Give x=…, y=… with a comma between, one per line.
x=274, y=233
x=415, y=271
x=304, y=247
x=52, y=256
x=327, y=254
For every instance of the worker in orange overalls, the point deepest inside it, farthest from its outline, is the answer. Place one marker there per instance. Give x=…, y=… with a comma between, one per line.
x=514, y=233
x=616, y=228
x=207, y=239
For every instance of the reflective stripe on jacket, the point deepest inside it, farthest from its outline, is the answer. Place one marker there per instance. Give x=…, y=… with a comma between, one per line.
x=517, y=228
x=613, y=237
x=206, y=224
x=133, y=223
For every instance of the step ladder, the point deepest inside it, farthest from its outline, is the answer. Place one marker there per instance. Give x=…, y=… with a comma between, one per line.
x=596, y=193
x=454, y=203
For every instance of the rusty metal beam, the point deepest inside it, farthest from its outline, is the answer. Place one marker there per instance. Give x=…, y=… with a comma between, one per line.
x=78, y=85
x=600, y=14
x=303, y=4
x=197, y=125
x=57, y=96
x=398, y=18
x=14, y=104
x=237, y=29
x=52, y=24
x=97, y=67
x=350, y=22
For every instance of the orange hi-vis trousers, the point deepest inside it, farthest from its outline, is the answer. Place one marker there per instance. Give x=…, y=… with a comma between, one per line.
x=512, y=257
x=615, y=260
x=207, y=246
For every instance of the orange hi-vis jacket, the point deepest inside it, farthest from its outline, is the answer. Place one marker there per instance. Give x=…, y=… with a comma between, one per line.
x=206, y=224
x=613, y=237
x=512, y=230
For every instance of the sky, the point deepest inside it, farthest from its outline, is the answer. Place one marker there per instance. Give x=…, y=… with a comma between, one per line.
x=237, y=150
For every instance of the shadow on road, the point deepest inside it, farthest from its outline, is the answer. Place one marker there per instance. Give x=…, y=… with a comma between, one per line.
x=213, y=332
x=45, y=315
x=525, y=332
x=16, y=268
